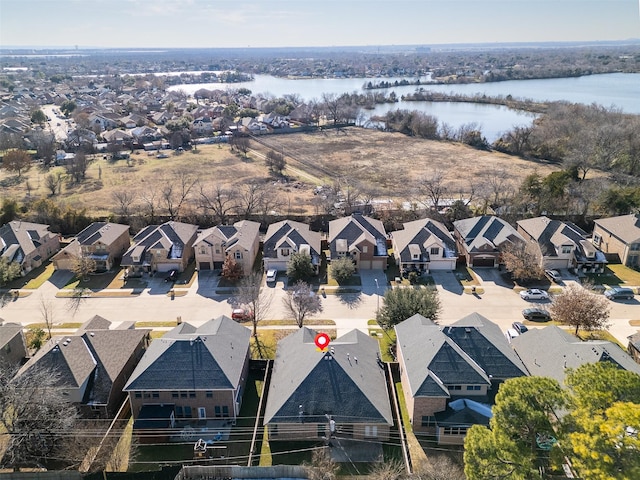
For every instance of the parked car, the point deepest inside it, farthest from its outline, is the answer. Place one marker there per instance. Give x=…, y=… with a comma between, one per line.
x=619, y=293
x=272, y=273
x=534, y=294
x=553, y=275
x=162, y=155
x=519, y=327
x=511, y=333
x=536, y=314
x=241, y=314
x=172, y=276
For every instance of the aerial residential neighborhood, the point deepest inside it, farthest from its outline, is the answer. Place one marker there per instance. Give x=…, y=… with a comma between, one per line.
x=400, y=262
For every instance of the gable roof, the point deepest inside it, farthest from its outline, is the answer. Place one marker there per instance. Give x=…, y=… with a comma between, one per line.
x=209, y=357
x=357, y=228
x=423, y=234
x=241, y=234
x=170, y=236
x=18, y=239
x=477, y=232
x=548, y=351
x=346, y=382
x=470, y=351
x=8, y=332
x=103, y=232
x=95, y=358
x=295, y=233
x=624, y=227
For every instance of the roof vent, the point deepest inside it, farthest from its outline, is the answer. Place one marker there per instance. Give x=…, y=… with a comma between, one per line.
x=64, y=344
x=91, y=333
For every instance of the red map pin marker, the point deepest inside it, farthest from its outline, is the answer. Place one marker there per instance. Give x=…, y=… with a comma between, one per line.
x=322, y=341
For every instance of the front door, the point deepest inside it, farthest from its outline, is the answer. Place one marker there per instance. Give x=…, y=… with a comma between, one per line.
x=202, y=413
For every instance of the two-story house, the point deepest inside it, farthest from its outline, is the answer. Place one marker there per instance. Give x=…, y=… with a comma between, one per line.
x=424, y=245
x=103, y=242
x=161, y=248
x=362, y=239
x=287, y=237
x=192, y=375
x=562, y=245
x=28, y=244
x=480, y=239
x=240, y=240
x=92, y=365
x=619, y=235
x=450, y=374
x=13, y=349
x=341, y=391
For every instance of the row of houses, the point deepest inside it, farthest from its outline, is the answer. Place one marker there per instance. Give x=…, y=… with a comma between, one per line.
x=196, y=376
x=421, y=246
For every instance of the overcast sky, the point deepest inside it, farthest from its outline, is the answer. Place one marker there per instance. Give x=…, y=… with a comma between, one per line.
x=284, y=23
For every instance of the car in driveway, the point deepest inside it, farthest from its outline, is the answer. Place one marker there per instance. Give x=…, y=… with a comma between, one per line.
x=553, y=275
x=536, y=314
x=534, y=294
x=172, y=276
x=619, y=293
x=272, y=274
x=241, y=314
x=519, y=327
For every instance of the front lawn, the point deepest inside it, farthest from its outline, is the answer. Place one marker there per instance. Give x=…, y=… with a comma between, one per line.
x=615, y=275
x=466, y=277
x=34, y=278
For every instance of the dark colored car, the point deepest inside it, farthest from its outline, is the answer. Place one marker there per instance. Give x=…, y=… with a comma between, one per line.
x=536, y=315
x=619, y=293
x=519, y=327
x=172, y=276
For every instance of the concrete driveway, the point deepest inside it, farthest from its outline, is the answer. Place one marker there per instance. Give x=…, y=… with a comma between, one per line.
x=446, y=281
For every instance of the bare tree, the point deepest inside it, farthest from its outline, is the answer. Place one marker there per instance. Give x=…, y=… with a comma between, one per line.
x=45, y=144
x=77, y=166
x=249, y=199
x=150, y=198
x=47, y=311
x=83, y=267
x=322, y=467
x=176, y=190
x=240, y=143
x=217, y=201
x=523, y=260
x=332, y=105
x=35, y=415
x=124, y=199
x=435, y=188
x=256, y=298
x=581, y=308
x=438, y=467
x=301, y=302
x=53, y=182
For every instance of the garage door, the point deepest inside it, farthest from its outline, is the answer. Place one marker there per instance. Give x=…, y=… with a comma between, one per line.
x=204, y=266
x=165, y=267
x=379, y=264
x=483, y=262
x=365, y=265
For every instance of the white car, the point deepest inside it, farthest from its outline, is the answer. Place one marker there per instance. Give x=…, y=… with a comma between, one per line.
x=534, y=294
x=272, y=273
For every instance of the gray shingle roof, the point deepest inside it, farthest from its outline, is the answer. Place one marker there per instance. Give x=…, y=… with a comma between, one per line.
x=208, y=357
x=625, y=227
x=420, y=234
x=295, y=233
x=355, y=229
x=348, y=384
x=547, y=351
x=24, y=236
x=104, y=232
x=486, y=230
x=170, y=236
x=242, y=233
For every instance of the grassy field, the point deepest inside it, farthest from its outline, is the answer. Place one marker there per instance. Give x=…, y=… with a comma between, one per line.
x=373, y=158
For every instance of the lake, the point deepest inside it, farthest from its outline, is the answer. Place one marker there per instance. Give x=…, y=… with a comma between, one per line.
x=621, y=90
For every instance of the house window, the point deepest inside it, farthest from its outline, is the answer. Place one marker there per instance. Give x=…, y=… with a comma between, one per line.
x=183, y=394
x=597, y=239
x=566, y=249
x=192, y=394
x=209, y=394
x=217, y=248
x=179, y=413
x=147, y=395
x=238, y=255
x=635, y=246
x=365, y=249
x=455, y=430
x=203, y=250
x=155, y=394
x=174, y=394
x=225, y=411
x=138, y=395
x=428, y=421
x=455, y=387
x=370, y=431
x=284, y=252
x=473, y=387
x=434, y=251
x=415, y=256
x=218, y=411
x=321, y=430
x=187, y=412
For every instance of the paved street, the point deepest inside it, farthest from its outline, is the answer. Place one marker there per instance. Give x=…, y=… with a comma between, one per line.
x=498, y=303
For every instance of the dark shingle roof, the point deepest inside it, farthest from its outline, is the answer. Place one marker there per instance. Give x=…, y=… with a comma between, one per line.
x=348, y=384
x=209, y=357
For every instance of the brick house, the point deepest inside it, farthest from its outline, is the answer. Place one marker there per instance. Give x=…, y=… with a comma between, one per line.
x=29, y=244
x=240, y=240
x=619, y=235
x=480, y=239
x=361, y=238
